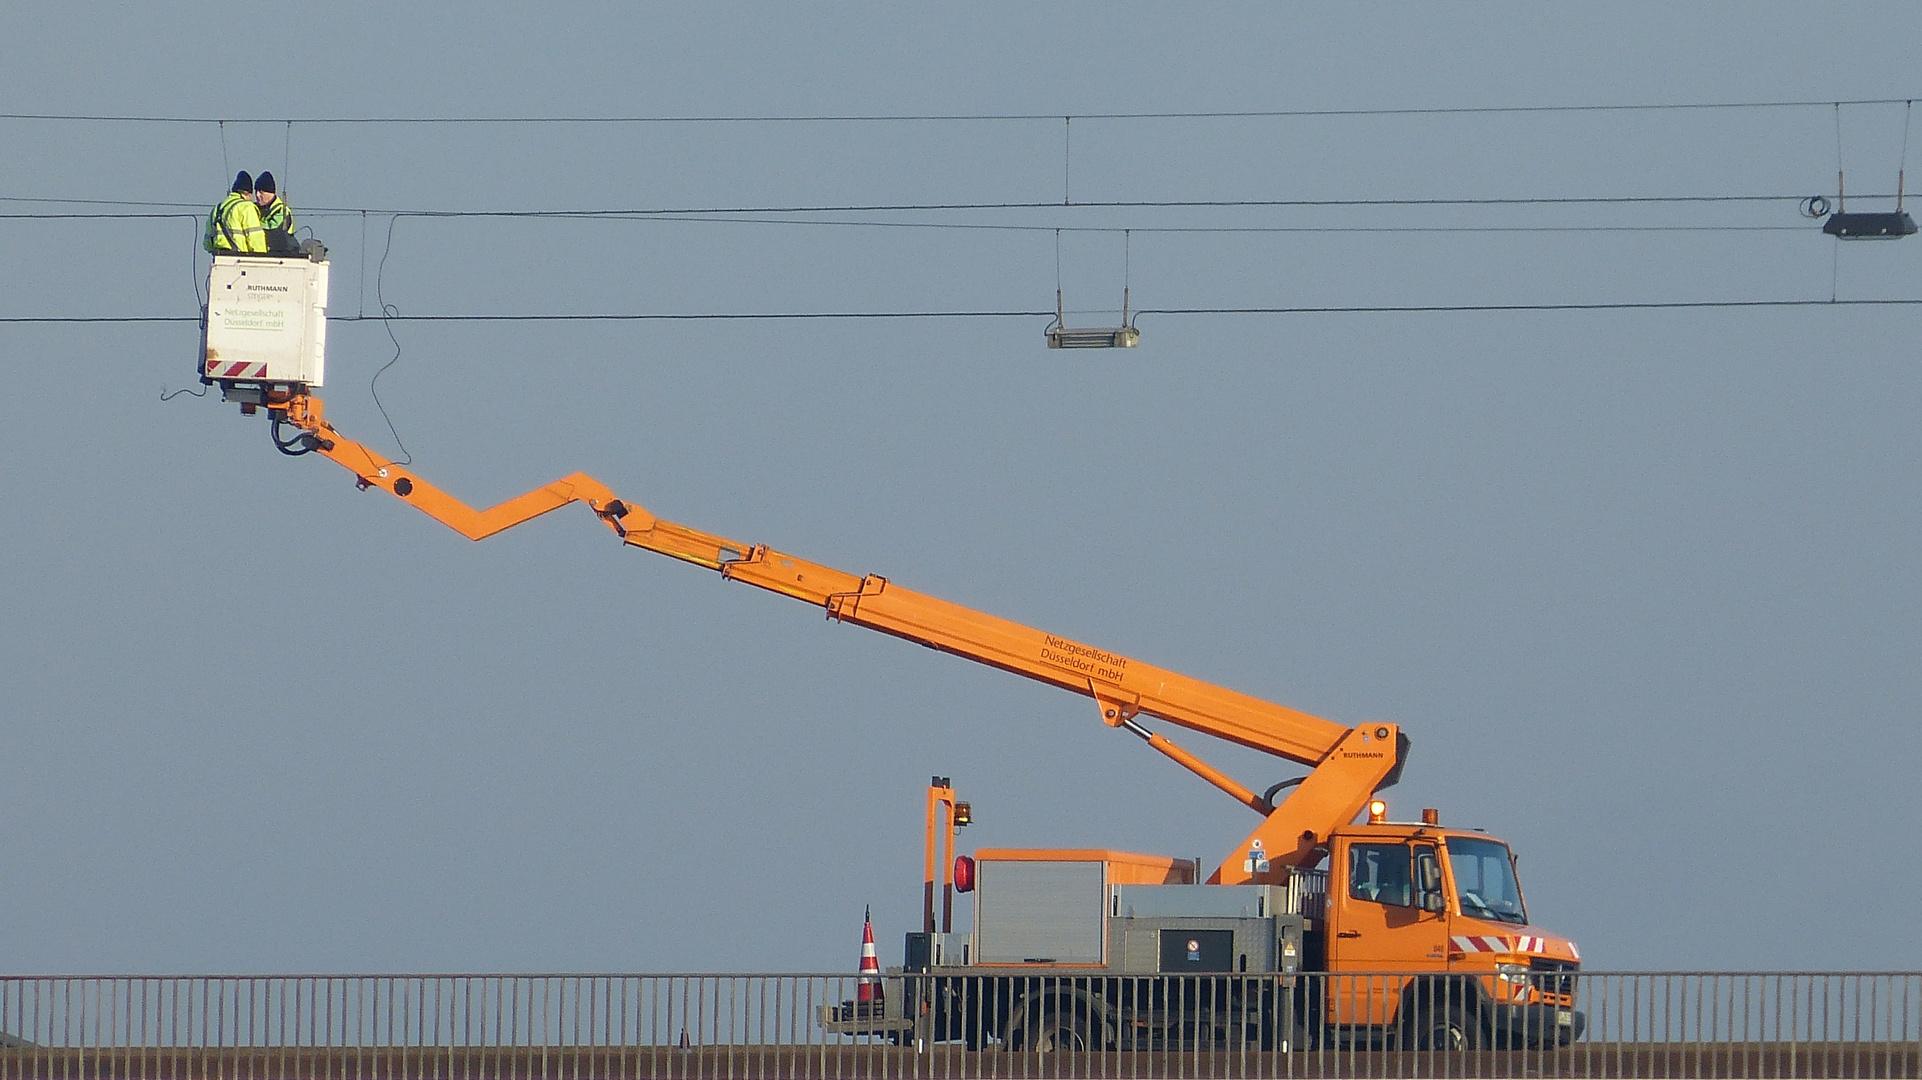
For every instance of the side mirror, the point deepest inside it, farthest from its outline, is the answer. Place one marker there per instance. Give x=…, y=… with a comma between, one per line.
x=1428, y=870
x=1428, y=879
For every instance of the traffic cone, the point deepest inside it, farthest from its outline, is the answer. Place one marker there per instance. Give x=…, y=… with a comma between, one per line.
x=868, y=991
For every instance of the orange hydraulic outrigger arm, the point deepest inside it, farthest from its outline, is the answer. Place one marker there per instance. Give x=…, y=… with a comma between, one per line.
x=1347, y=764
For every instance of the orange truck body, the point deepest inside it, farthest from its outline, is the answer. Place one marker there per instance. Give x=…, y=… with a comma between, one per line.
x=1422, y=928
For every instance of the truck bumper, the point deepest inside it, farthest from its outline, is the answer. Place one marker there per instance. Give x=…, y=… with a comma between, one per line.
x=1536, y=1025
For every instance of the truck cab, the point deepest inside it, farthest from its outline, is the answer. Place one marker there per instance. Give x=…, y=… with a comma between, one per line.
x=1428, y=935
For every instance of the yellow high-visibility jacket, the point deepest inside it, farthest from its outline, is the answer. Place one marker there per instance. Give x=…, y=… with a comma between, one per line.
x=235, y=226
x=278, y=217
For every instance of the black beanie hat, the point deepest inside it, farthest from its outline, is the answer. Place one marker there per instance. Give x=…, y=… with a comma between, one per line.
x=265, y=182
x=243, y=182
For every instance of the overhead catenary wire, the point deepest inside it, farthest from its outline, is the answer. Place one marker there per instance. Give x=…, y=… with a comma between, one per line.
x=1067, y=147
x=1047, y=117
x=287, y=160
x=200, y=299
x=811, y=215
x=1623, y=305
x=959, y=226
x=1902, y=163
x=808, y=215
x=1226, y=229
x=1057, y=269
x=1306, y=309
x=193, y=265
x=1841, y=197
x=388, y=313
x=1106, y=204
x=1067, y=119
x=968, y=226
x=96, y=215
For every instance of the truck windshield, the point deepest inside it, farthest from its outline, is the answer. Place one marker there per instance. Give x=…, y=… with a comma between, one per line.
x=1485, y=879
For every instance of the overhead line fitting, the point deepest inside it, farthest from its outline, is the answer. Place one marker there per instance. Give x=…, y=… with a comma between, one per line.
x=1871, y=225
x=1062, y=336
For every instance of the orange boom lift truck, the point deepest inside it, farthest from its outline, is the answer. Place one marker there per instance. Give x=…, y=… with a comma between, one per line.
x=1317, y=929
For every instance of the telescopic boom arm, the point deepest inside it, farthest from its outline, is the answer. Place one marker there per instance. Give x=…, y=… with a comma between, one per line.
x=1347, y=764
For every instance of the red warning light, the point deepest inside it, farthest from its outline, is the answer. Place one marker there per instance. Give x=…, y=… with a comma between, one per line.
x=963, y=873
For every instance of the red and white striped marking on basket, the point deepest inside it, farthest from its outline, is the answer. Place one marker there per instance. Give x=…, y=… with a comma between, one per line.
x=237, y=369
x=869, y=988
x=1490, y=943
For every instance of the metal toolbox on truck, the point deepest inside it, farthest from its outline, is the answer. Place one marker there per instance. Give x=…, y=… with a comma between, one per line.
x=1050, y=907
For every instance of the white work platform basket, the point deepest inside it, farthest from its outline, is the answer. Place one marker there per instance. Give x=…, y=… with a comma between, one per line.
x=266, y=321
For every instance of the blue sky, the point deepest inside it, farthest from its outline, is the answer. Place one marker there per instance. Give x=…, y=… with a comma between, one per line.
x=1640, y=585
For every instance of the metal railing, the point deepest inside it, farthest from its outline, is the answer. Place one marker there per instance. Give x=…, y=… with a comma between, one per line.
x=402, y=1027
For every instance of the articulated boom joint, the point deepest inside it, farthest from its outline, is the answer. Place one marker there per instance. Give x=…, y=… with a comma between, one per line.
x=1116, y=711
x=612, y=513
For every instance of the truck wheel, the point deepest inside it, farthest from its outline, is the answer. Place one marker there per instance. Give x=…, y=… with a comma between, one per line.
x=1447, y=1029
x=1056, y=1031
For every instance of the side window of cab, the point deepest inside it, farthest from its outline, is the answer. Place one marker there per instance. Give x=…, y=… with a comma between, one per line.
x=1379, y=873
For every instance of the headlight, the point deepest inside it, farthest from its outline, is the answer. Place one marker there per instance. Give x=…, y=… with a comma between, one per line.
x=1514, y=973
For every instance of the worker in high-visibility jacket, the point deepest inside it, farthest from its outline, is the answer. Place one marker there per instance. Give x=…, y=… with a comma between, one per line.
x=234, y=226
x=276, y=218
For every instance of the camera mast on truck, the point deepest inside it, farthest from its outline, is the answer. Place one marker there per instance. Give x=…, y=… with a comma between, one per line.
x=1439, y=909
